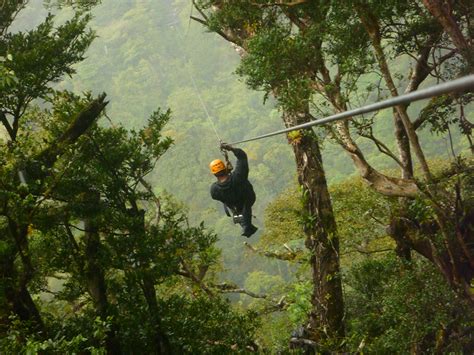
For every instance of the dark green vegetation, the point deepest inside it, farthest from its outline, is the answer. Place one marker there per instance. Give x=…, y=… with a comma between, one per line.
x=98, y=256
x=317, y=57
x=91, y=259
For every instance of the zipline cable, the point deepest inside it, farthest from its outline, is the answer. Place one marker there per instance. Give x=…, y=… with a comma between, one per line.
x=461, y=84
x=191, y=76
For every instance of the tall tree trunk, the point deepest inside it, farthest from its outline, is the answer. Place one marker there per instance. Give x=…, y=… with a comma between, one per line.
x=95, y=278
x=18, y=298
x=94, y=272
x=15, y=280
x=161, y=342
x=327, y=315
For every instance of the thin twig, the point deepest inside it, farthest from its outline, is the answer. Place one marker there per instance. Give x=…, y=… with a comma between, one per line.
x=290, y=256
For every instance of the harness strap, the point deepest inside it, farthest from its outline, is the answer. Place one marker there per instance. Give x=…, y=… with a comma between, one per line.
x=226, y=209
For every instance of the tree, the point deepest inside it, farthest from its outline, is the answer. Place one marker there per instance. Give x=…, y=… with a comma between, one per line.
x=454, y=18
x=240, y=23
x=76, y=210
x=60, y=49
x=387, y=298
x=312, y=44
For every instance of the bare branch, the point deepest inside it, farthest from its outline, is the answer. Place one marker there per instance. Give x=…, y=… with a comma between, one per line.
x=275, y=305
x=369, y=252
x=290, y=256
x=381, y=147
x=370, y=213
x=82, y=122
x=6, y=124
x=227, y=35
x=197, y=19
x=295, y=20
x=156, y=200
x=200, y=11
x=298, y=342
x=197, y=279
x=231, y=288
x=69, y=233
x=183, y=273
x=422, y=68
x=203, y=271
x=288, y=248
x=281, y=3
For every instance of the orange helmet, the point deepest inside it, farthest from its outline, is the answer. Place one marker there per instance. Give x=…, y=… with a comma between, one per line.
x=217, y=166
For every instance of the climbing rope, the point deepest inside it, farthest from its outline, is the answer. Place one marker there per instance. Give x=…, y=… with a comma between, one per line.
x=195, y=87
x=464, y=83
x=203, y=104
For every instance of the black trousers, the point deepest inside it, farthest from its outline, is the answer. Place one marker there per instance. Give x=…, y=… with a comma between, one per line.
x=246, y=210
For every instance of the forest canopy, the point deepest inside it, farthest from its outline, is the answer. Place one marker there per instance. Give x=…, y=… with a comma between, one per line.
x=110, y=113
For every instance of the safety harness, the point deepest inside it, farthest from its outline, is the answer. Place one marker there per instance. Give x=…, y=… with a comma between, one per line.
x=237, y=218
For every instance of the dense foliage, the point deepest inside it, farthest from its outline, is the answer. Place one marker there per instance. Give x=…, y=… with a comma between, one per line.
x=93, y=260
x=317, y=56
x=387, y=298
x=99, y=256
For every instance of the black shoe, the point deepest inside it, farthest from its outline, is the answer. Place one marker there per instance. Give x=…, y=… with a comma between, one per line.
x=249, y=231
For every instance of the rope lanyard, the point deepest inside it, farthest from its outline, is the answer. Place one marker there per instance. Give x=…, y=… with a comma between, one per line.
x=191, y=76
x=464, y=83
x=203, y=104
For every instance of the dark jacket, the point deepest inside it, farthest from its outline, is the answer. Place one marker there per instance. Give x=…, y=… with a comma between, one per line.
x=237, y=189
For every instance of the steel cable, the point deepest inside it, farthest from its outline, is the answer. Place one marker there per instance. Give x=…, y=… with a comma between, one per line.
x=462, y=84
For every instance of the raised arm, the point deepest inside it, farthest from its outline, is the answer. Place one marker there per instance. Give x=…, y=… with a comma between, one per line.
x=241, y=171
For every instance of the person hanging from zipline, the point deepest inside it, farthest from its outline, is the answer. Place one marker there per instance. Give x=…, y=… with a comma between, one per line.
x=234, y=189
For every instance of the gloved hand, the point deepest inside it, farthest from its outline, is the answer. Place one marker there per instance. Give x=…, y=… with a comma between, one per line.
x=225, y=146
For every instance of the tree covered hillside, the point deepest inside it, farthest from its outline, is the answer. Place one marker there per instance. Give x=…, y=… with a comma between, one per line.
x=148, y=53
x=112, y=110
